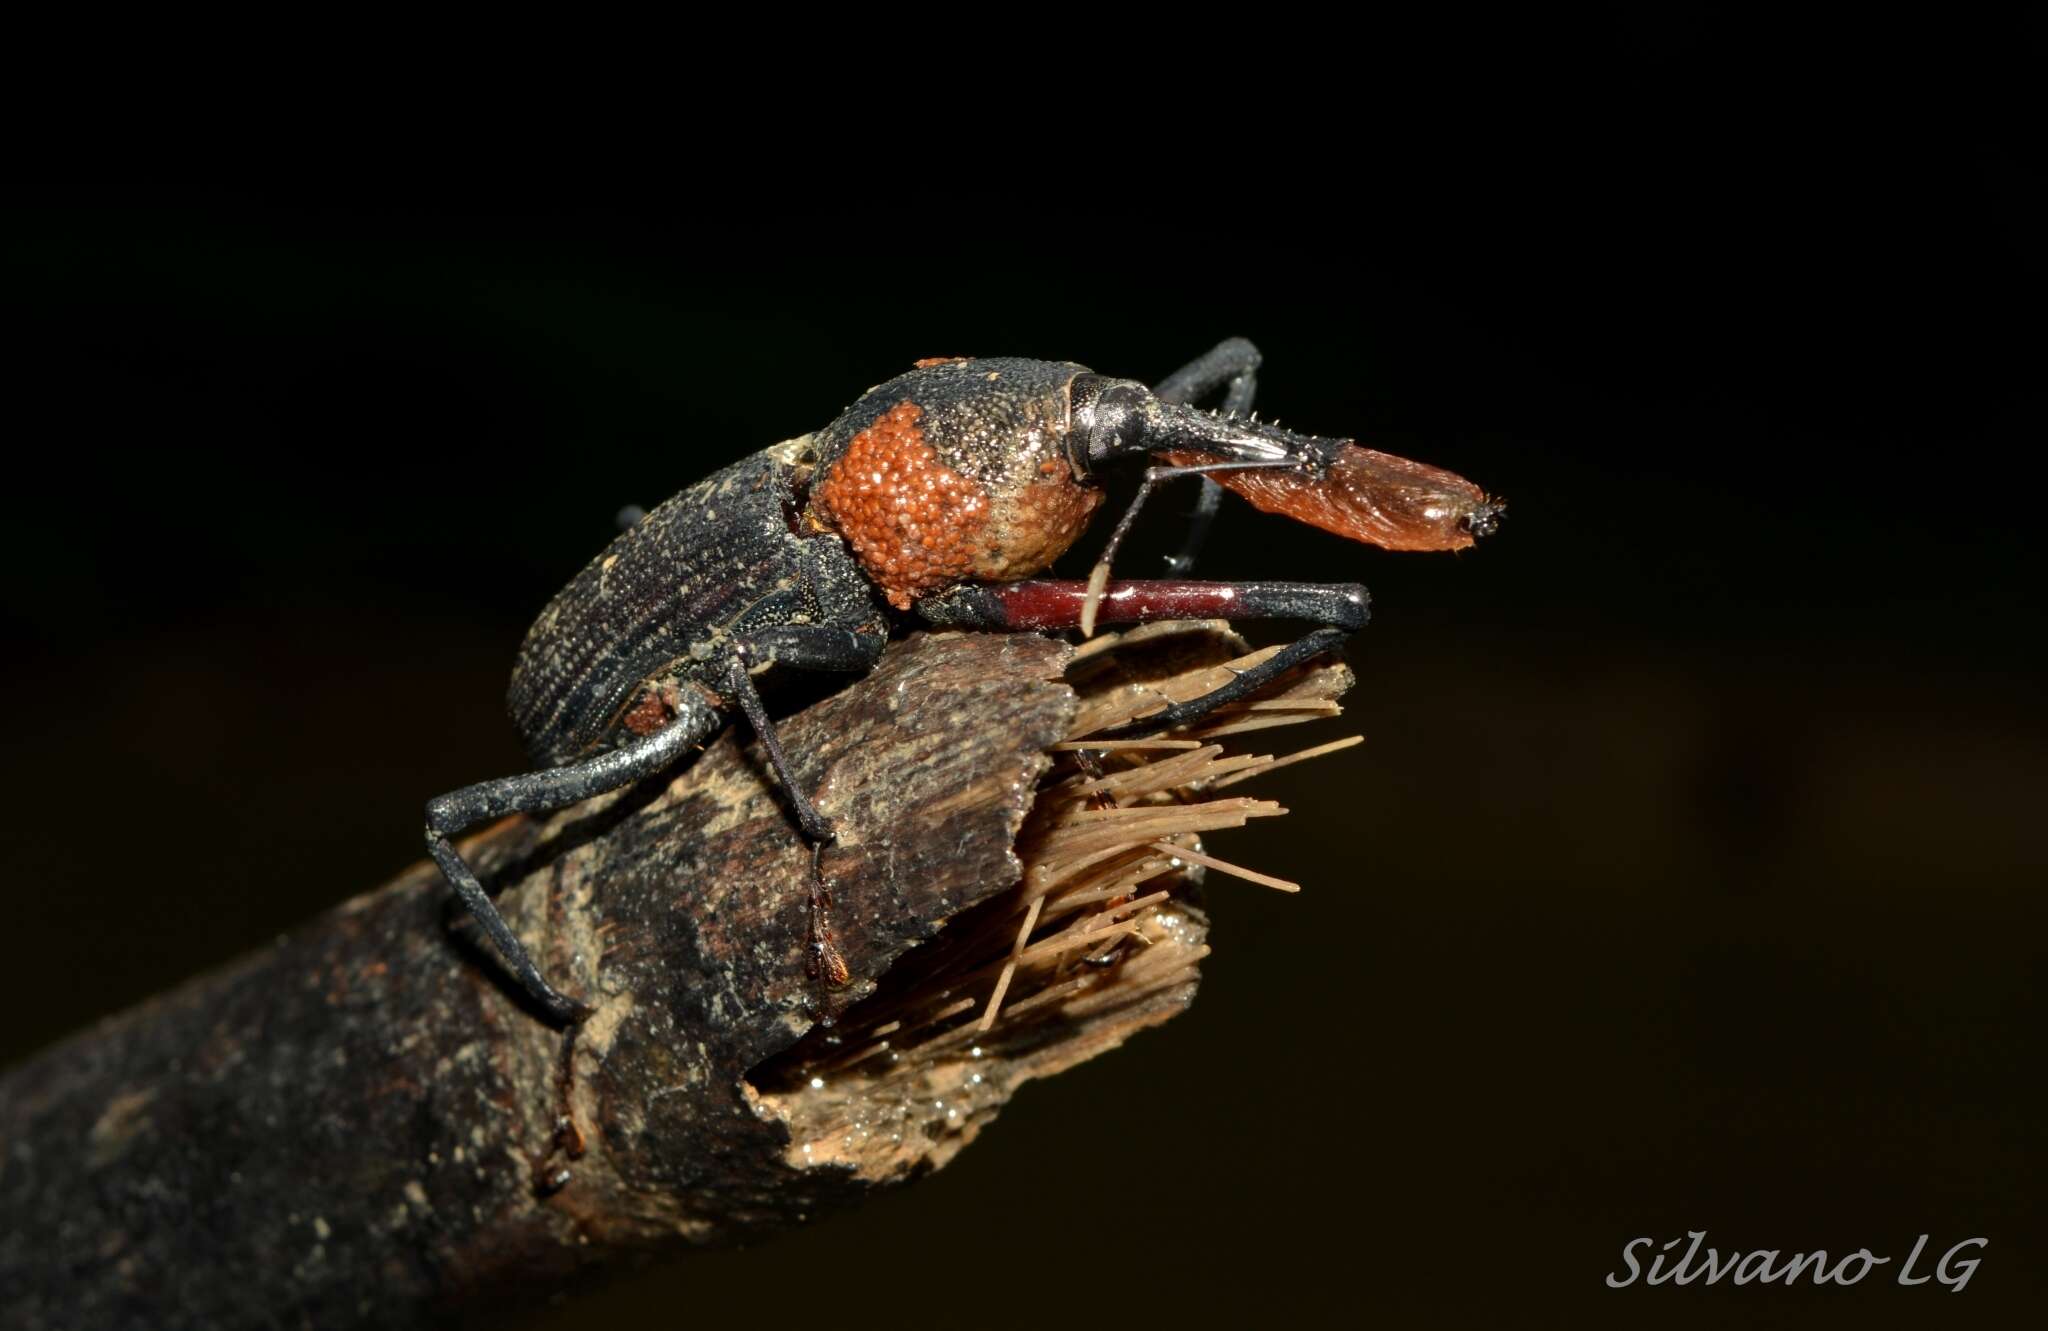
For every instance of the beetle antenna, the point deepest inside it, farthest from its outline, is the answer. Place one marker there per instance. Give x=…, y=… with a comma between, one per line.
x=1118, y=417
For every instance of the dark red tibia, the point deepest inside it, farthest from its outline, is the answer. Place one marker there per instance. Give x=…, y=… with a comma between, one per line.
x=1370, y=496
x=1054, y=604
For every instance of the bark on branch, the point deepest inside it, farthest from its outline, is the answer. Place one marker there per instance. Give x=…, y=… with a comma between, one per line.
x=363, y=1126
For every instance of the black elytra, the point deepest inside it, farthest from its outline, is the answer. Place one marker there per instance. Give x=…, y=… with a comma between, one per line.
x=785, y=560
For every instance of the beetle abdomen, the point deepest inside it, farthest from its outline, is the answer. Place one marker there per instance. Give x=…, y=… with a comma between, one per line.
x=679, y=577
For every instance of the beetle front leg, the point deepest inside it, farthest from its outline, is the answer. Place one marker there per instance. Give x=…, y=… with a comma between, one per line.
x=1233, y=361
x=539, y=792
x=1341, y=607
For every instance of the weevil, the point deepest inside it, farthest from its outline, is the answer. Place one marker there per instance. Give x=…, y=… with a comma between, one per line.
x=940, y=495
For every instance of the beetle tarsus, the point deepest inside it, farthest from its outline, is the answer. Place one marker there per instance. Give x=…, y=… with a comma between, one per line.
x=1098, y=579
x=827, y=965
x=1243, y=684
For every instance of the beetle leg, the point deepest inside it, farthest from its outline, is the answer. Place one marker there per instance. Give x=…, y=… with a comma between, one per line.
x=1055, y=603
x=1235, y=362
x=1200, y=518
x=1341, y=607
x=538, y=792
x=1243, y=684
x=802, y=647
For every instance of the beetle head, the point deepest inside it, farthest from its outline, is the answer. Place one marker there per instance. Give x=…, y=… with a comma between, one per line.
x=1359, y=493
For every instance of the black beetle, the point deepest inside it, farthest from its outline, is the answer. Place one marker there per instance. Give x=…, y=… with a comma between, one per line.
x=942, y=493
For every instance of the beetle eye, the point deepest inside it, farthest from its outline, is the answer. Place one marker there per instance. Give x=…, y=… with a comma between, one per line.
x=1105, y=418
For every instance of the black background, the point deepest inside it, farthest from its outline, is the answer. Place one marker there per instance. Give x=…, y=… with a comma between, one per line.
x=1690, y=877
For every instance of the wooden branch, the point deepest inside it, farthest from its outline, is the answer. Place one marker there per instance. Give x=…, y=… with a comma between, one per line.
x=363, y=1126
